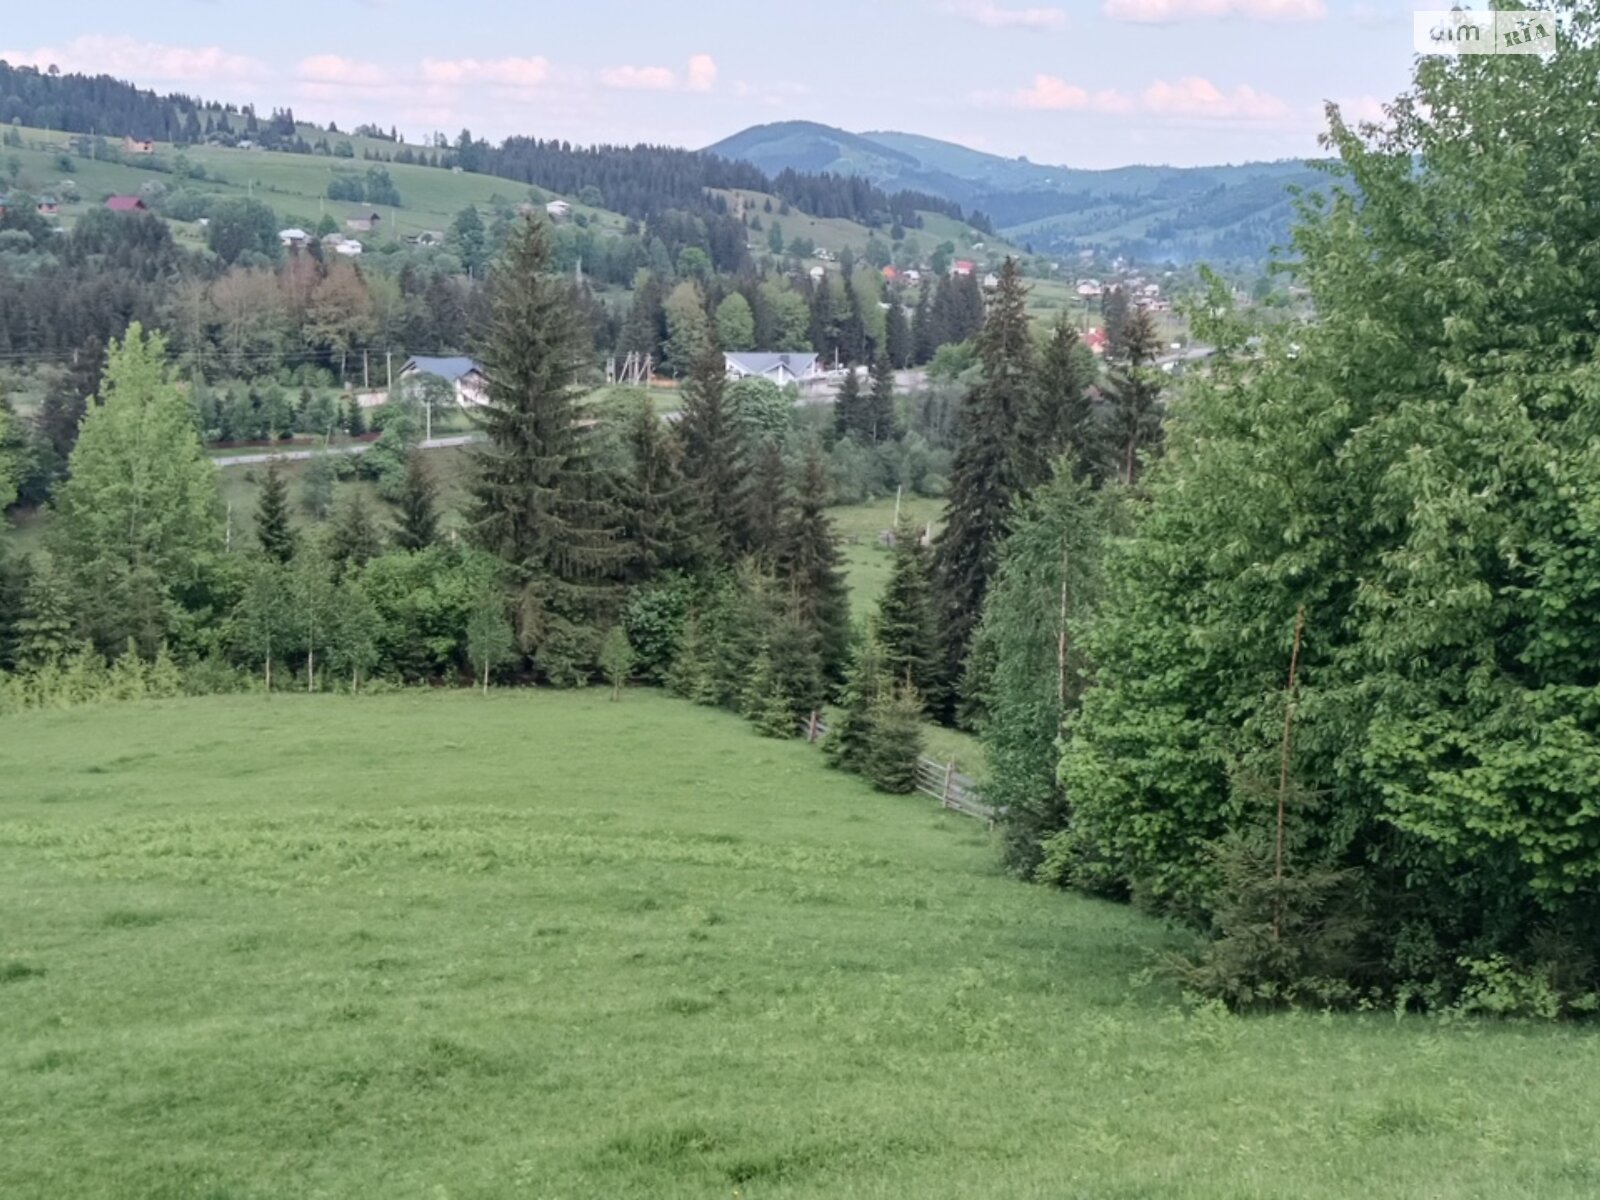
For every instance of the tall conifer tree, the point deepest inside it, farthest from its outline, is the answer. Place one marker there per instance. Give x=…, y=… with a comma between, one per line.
x=538, y=498
x=273, y=530
x=1061, y=420
x=880, y=421
x=812, y=567
x=714, y=458
x=416, y=508
x=907, y=628
x=657, y=504
x=989, y=472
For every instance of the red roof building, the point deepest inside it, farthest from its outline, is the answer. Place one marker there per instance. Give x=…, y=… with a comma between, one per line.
x=890, y=274
x=125, y=204
x=1095, y=339
x=963, y=266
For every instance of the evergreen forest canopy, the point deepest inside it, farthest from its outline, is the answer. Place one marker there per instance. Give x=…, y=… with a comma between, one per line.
x=1300, y=650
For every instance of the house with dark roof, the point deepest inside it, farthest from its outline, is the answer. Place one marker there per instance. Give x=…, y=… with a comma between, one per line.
x=126, y=204
x=461, y=373
x=782, y=369
x=364, y=222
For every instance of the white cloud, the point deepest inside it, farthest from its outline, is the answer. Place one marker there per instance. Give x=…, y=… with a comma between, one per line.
x=701, y=76
x=1189, y=97
x=504, y=72
x=1165, y=12
x=1193, y=96
x=340, y=71
x=702, y=73
x=998, y=16
x=639, y=79
x=130, y=58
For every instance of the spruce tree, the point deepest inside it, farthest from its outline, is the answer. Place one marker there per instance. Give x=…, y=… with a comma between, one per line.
x=273, y=530
x=656, y=502
x=880, y=421
x=989, y=472
x=907, y=629
x=43, y=632
x=355, y=421
x=416, y=507
x=894, y=741
x=1061, y=420
x=714, y=459
x=924, y=337
x=897, y=336
x=354, y=539
x=537, y=497
x=1135, y=389
x=851, y=418
x=766, y=510
x=811, y=566
x=848, y=743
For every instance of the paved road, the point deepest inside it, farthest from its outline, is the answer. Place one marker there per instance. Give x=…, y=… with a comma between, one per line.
x=255, y=460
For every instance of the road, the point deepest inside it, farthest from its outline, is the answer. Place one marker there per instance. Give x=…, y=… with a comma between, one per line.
x=256, y=460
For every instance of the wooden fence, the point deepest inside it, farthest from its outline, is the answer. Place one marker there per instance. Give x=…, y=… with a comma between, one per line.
x=942, y=781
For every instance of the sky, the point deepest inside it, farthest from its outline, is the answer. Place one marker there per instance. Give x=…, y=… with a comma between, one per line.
x=1085, y=83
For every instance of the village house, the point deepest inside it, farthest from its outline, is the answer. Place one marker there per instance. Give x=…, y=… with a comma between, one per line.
x=293, y=239
x=782, y=369
x=991, y=281
x=363, y=222
x=48, y=206
x=962, y=266
x=462, y=373
x=912, y=276
x=1090, y=289
x=558, y=210
x=1096, y=340
x=348, y=247
x=126, y=204
x=133, y=145
x=890, y=275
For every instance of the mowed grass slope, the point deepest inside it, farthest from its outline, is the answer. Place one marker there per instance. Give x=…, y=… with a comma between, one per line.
x=435, y=945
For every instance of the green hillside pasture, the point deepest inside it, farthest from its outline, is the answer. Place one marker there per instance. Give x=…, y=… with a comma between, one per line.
x=436, y=945
x=294, y=185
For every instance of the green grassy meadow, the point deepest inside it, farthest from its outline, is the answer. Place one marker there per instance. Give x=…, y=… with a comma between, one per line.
x=435, y=945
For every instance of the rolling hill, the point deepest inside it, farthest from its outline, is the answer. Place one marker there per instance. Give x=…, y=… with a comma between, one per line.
x=1147, y=212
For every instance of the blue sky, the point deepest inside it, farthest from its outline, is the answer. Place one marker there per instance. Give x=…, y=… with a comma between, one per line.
x=1091, y=83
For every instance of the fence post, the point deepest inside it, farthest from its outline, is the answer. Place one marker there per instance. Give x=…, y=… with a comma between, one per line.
x=949, y=772
x=811, y=729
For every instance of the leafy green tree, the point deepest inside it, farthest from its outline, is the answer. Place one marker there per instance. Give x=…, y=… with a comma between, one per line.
x=538, y=498
x=763, y=411
x=316, y=489
x=1046, y=587
x=265, y=618
x=416, y=507
x=1421, y=495
x=139, y=524
x=468, y=238
x=357, y=626
x=490, y=640
x=273, y=530
x=616, y=659
x=736, y=323
x=241, y=228
x=314, y=601
x=689, y=337
x=989, y=473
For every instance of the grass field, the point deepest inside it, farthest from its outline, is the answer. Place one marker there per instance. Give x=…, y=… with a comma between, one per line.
x=434, y=945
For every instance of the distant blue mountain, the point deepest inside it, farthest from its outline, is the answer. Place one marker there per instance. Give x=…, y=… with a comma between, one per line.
x=1148, y=212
